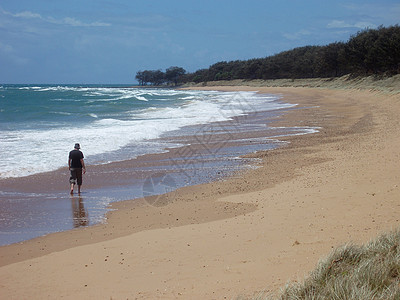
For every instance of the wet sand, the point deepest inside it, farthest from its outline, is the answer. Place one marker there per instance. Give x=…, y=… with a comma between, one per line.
x=250, y=233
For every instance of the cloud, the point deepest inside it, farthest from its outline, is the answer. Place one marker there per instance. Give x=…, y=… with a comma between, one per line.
x=343, y=24
x=381, y=12
x=64, y=21
x=77, y=23
x=297, y=35
x=25, y=14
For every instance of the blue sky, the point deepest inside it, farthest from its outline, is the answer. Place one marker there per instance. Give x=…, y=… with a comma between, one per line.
x=88, y=41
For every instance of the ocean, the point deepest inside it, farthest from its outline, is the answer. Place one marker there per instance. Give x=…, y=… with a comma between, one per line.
x=39, y=124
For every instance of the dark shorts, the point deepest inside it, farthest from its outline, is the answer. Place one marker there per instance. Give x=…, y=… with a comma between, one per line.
x=76, y=176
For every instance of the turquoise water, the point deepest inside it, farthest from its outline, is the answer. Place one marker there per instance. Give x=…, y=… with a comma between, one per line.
x=40, y=123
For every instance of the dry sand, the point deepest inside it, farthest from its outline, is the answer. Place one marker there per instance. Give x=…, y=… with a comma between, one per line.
x=250, y=233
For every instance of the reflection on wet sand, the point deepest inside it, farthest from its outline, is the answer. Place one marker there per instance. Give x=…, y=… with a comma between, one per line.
x=80, y=215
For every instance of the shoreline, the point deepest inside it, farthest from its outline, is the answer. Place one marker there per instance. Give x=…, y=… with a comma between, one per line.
x=267, y=226
x=204, y=153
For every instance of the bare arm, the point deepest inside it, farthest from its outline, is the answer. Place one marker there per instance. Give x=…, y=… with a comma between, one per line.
x=83, y=166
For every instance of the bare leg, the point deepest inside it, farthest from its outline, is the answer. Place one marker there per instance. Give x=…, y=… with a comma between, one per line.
x=79, y=189
x=72, y=189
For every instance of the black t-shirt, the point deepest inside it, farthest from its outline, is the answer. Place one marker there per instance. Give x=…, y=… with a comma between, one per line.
x=76, y=156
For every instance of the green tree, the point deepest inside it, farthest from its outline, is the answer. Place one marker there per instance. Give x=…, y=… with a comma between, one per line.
x=173, y=74
x=157, y=77
x=154, y=77
x=140, y=77
x=370, y=51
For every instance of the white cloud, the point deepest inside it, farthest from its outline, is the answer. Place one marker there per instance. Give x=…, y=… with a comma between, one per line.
x=26, y=14
x=65, y=21
x=344, y=24
x=77, y=23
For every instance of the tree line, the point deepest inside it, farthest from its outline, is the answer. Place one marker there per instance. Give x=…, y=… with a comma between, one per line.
x=370, y=51
x=171, y=75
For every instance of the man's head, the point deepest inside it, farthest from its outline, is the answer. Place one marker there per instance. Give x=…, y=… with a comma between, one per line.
x=77, y=146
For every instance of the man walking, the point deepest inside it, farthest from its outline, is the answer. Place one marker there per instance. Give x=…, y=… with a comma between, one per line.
x=76, y=166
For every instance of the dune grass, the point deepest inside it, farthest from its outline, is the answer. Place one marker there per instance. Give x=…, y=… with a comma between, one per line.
x=370, y=271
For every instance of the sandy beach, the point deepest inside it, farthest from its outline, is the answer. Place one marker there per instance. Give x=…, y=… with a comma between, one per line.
x=241, y=236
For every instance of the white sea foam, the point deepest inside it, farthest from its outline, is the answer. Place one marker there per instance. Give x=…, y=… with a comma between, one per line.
x=40, y=150
x=141, y=98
